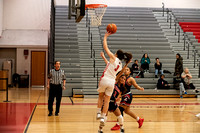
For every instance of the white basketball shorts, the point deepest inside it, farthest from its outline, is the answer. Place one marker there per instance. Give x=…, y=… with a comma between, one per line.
x=106, y=85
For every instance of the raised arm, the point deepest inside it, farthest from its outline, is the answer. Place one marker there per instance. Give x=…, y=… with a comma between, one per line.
x=133, y=82
x=122, y=71
x=104, y=58
x=105, y=46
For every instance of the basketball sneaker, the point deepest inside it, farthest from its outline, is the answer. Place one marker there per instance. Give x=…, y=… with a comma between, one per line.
x=116, y=127
x=140, y=122
x=198, y=115
x=102, y=122
x=100, y=131
x=50, y=114
x=98, y=116
x=122, y=131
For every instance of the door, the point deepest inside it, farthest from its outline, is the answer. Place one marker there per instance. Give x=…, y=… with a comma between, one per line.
x=38, y=65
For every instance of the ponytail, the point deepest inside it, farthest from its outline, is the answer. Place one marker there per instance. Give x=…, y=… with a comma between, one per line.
x=124, y=56
x=128, y=57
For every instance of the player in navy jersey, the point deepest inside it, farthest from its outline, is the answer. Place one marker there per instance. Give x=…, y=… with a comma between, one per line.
x=127, y=99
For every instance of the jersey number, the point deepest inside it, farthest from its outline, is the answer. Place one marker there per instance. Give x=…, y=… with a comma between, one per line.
x=116, y=68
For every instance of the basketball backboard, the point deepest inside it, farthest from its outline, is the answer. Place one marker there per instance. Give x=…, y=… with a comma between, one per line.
x=76, y=9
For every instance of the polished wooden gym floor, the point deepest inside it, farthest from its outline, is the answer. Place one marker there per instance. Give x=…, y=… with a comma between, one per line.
x=27, y=112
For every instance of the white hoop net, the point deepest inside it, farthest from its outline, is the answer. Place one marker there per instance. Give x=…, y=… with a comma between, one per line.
x=96, y=14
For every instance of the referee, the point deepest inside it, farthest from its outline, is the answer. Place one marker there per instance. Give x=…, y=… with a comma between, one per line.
x=56, y=82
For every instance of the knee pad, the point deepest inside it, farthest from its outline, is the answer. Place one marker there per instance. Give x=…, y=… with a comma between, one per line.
x=120, y=119
x=121, y=110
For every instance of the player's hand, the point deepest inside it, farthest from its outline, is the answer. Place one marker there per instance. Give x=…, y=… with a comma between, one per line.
x=141, y=88
x=107, y=34
x=117, y=99
x=102, y=54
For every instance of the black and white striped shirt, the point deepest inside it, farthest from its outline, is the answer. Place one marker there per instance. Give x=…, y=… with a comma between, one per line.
x=56, y=76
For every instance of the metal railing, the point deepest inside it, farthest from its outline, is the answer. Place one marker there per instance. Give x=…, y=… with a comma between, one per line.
x=163, y=7
x=94, y=61
x=91, y=46
x=97, y=78
x=186, y=40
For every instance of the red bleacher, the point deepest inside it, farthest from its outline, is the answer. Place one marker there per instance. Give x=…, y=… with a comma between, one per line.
x=191, y=27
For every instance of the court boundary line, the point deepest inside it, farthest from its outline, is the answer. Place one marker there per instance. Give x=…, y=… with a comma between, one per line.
x=133, y=104
x=31, y=116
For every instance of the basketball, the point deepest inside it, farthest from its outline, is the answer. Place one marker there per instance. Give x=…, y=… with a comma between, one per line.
x=111, y=28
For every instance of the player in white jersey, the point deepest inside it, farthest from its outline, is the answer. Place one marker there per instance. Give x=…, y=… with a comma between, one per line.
x=107, y=81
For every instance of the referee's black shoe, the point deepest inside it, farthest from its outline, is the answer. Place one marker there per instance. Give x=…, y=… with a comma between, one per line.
x=56, y=114
x=50, y=114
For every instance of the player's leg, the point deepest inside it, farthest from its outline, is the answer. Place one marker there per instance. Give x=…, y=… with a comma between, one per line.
x=100, y=104
x=105, y=105
x=137, y=118
x=101, y=90
x=121, y=109
x=120, y=119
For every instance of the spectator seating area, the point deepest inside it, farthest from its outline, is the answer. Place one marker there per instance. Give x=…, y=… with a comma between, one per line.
x=139, y=32
x=189, y=20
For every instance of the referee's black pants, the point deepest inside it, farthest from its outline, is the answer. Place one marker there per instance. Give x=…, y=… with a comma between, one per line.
x=54, y=91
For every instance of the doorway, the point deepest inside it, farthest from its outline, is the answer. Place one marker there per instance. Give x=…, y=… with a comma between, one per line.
x=38, y=68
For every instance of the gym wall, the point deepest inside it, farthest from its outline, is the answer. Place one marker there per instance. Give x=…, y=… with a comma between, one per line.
x=26, y=14
x=1, y=16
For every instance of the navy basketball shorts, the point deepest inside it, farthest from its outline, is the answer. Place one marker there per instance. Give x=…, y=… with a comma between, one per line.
x=126, y=99
x=112, y=106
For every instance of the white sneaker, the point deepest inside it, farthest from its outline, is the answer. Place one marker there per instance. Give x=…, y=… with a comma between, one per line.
x=198, y=115
x=102, y=122
x=100, y=131
x=98, y=116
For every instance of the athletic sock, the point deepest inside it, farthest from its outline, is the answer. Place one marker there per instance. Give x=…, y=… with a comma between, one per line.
x=99, y=110
x=103, y=115
x=138, y=118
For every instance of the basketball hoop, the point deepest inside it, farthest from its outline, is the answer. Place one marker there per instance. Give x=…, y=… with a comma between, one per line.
x=96, y=12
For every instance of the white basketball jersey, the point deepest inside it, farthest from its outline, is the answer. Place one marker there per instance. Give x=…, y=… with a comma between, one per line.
x=112, y=69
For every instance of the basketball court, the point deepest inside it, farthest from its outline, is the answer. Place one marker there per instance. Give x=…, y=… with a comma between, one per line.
x=26, y=109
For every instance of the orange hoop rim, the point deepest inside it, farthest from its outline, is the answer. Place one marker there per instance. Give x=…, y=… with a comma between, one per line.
x=93, y=6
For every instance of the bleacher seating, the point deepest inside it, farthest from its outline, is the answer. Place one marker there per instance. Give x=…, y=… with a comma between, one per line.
x=139, y=32
x=193, y=27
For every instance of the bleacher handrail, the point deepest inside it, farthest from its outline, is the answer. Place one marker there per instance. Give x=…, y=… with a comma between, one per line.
x=94, y=62
x=97, y=78
x=163, y=7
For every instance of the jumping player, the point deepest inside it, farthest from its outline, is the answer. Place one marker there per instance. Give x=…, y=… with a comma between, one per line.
x=107, y=80
x=127, y=99
x=113, y=107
